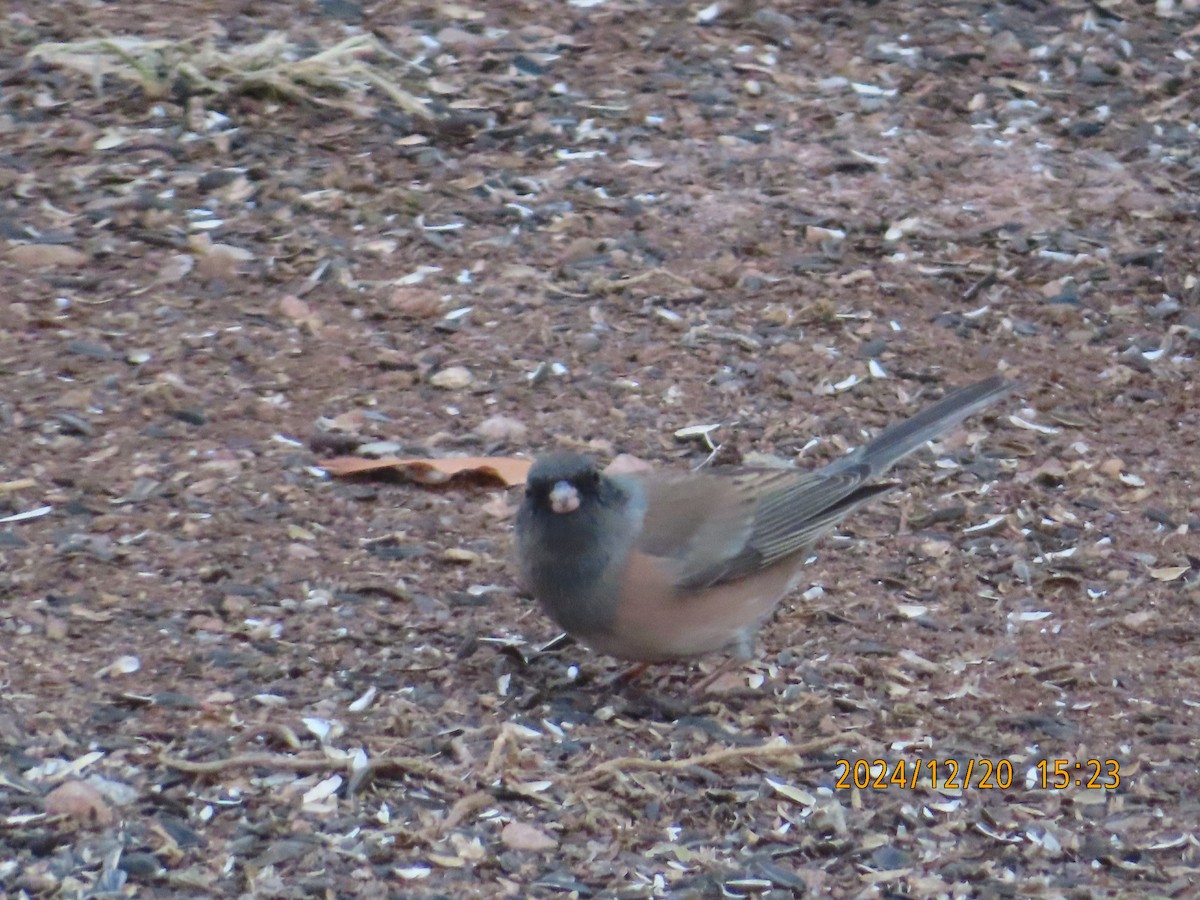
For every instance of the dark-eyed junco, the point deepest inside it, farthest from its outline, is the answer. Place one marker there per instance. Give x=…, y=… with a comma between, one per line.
x=668, y=565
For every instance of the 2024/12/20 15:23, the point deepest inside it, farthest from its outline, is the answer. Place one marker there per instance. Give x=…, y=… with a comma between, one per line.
x=951, y=774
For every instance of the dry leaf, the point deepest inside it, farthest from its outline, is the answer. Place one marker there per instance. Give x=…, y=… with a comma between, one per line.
x=498, y=507
x=81, y=802
x=507, y=469
x=299, y=312
x=47, y=256
x=417, y=303
x=1168, y=573
x=454, y=378
x=352, y=421
x=502, y=428
x=1137, y=619
x=627, y=464
x=56, y=628
x=176, y=268
x=519, y=836
x=795, y=794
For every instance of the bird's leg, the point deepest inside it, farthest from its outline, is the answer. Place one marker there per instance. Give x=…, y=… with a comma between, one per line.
x=706, y=682
x=625, y=676
x=740, y=650
x=905, y=506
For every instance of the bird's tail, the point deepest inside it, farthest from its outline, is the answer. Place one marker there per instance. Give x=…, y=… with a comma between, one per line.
x=901, y=439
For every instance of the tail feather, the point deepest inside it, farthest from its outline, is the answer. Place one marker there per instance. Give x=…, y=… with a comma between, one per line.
x=901, y=439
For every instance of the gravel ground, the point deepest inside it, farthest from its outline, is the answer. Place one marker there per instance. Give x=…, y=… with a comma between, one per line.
x=262, y=235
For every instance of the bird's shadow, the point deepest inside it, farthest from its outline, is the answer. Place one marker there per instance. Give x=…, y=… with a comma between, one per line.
x=658, y=693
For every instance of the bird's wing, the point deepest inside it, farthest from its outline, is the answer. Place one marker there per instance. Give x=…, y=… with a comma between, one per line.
x=792, y=511
x=711, y=528
x=693, y=516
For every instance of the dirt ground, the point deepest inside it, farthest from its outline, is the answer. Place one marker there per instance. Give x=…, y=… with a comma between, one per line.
x=224, y=673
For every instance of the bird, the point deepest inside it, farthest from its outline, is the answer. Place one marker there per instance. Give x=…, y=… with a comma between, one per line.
x=673, y=564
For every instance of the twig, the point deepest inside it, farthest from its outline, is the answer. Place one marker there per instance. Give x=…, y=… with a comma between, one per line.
x=407, y=764
x=779, y=748
x=462, y=808
x=563, y=292
x=604, y=286
x=504, y=743
x=412, y=765
x=248, y=760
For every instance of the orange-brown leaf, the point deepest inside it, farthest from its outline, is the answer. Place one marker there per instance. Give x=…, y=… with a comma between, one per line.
x=506, y=469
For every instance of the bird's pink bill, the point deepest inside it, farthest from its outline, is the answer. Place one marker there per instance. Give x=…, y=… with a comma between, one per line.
x=564, y=498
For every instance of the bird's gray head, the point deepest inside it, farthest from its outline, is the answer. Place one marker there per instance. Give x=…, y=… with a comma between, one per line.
x=561, y=483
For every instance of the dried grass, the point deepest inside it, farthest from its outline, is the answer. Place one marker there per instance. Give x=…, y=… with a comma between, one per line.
x=336, y=76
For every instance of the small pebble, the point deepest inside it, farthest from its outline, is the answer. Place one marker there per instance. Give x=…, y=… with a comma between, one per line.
x=452, y=379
